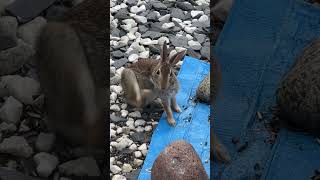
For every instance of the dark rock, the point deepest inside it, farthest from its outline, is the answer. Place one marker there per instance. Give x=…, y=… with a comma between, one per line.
x=152, y=16
x=142, y=28
x=200, y=37
x=122, y=14
x=88, y=167
x=121, y=62
x=55, y=12
x=178, y=161
x=12, y=59
x=115, y=32
x=203, y=91
x=154, y=49
x=179, y=41
x=201, y=24
x=298, y=95
x=152, y=35
x=132, y=2
x=126, y=155
x=158, y=5
x=185, y=6
x=178, y=13
x=30, y=31
x=156, y=26
x=164, y=12
x=140, y=137
x=8, y=32
x=117, y=54
x=116, y=119
x=8, y=174
x=205, y=52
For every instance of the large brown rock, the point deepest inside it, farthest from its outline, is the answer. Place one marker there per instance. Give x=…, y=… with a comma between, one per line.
x=178, y=161
x=298, y=96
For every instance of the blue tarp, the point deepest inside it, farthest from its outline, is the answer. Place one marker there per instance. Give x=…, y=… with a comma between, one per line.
x=257, y=46
x=193, y=123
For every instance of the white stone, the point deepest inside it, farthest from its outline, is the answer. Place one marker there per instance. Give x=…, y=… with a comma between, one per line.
x=164, y=18
x=133, y=147
x=123, y=5
x=139, y=122
x=180, y=49
x=112, y=125
x=113, y=143
x=126, y=168
x=119, y=130
x=115, y=107
x=203, y=18
x=135, y=114
x=144, y=152
x=189, y=37
x=116, y=89
x=148, y=128
x=119, y=71
x=130, y=124
x=112, y=159
x=118, y=177
x=115, y=169
x=124, y=113
x=137, y=162
x=136, y=9
x=168, y=25
x=131, y=36
x=124, y=40
x=137, y=154
x=139, y=129
x=112, y=133
x=144, y=54
x=113, y=96
x=124, y=106
x=133, y=57
x=141, y=19
x=196, y=13
x=143, y=147
x=189, y=29
x=123, y=143
x=161, y=40
x=177, y=20
x=173, y=52
x=194, y=45
x=148, y=41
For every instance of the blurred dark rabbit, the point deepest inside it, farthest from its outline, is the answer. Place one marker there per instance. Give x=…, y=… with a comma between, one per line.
x=72, y=66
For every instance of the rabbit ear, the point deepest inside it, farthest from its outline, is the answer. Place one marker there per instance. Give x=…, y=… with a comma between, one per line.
x=177, y=57
x=164, y=52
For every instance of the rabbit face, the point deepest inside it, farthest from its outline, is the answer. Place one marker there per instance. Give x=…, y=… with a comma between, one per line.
x=161, y=76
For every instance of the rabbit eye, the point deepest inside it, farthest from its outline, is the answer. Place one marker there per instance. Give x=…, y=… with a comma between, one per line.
x=158, y=72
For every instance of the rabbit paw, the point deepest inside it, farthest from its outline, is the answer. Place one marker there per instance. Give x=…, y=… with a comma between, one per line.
x=177, y=109
x=171, y=121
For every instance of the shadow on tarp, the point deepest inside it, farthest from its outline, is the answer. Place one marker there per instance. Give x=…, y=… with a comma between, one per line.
x=193, y=123
x=258, y=44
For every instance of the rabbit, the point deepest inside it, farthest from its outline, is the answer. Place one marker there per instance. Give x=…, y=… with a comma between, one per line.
x=72, y=76
x=218, y=151
x=148, y=79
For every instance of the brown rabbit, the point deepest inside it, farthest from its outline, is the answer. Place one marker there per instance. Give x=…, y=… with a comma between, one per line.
x=217, y=150
x=68, y=73
x=149, y=79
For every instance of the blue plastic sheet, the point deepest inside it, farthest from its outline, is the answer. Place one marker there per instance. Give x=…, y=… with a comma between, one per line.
x=257, y=46
x=193, y=123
